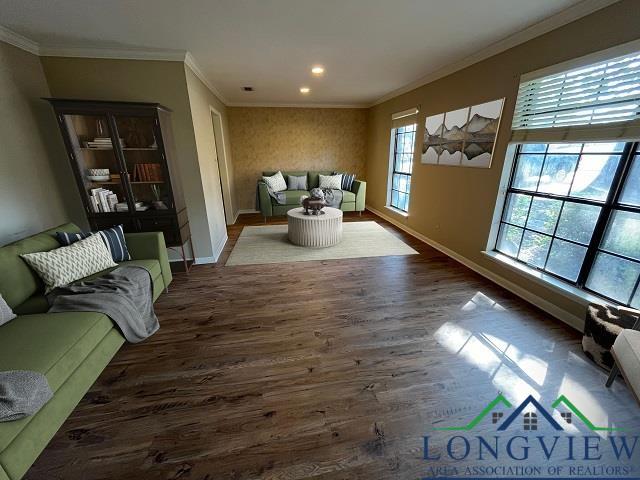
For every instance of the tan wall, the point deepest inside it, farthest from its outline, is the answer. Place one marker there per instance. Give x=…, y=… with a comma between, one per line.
x=34, y=194
x=294, y=139
x=454, y=206
x=146, y=81
x=201, y=100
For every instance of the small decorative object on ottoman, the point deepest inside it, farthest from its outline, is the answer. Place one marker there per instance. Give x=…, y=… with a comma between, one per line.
x=315, y=202
x=315, y=230
x=602, y=326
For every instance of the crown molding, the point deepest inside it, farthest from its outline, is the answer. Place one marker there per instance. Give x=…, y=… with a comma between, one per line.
x=17, y=40
x=564, y=17
x=191, y=62
x=296, y=105
x=113, y=53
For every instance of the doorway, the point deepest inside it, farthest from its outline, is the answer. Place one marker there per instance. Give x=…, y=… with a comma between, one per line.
x=223, y=167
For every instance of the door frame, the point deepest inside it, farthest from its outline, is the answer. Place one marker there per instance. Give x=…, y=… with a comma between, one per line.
x=223, y=168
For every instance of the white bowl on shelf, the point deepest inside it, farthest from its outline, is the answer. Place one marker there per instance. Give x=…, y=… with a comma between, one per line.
x=99, y=178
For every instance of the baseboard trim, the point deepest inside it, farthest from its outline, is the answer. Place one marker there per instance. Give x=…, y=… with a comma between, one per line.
x=220, y=246
x=550, y=308
x=247, y=210
x=204, y=260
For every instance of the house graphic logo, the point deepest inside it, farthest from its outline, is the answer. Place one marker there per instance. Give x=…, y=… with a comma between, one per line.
x=530, y=411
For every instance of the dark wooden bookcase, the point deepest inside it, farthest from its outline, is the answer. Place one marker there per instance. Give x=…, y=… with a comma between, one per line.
x=125, y=148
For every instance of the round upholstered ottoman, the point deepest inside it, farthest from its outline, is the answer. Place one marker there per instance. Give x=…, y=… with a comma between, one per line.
x=310, y=230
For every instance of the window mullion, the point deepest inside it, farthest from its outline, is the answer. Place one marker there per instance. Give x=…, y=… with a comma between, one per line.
x=605, y=214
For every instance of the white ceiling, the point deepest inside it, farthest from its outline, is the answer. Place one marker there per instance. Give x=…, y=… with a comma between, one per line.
x=370, y=48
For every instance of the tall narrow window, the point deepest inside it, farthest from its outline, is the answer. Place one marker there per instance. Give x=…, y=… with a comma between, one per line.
x=403, y=141
x=572, y=207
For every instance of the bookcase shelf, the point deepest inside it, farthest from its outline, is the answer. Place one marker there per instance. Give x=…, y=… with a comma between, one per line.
x=139, y=149
x=132, y=183
x=126, y=129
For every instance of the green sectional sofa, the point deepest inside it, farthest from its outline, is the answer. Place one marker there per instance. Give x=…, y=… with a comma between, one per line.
x=352, y=201
x=71, y=349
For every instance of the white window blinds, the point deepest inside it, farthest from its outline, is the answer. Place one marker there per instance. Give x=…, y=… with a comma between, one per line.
x=404, y=118
x=600, y=101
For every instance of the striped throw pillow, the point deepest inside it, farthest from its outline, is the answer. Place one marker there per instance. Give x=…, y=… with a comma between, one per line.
x=347, y=180
x=113, y=238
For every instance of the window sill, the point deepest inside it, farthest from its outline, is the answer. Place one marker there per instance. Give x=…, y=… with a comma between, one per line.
x=397, y=210
x=549, y=281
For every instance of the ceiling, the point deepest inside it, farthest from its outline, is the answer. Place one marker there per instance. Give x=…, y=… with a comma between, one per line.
x=370, y=48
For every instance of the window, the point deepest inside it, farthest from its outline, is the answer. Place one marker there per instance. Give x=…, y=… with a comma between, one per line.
x=495, y=418
x=572, y=207
x=403, y=141
x=573, y=210
x=530, y=421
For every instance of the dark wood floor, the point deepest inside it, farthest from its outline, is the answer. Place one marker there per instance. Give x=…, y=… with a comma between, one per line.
x=323, y=370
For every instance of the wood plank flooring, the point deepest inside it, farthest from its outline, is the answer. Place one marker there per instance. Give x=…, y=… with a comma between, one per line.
x=324, y=370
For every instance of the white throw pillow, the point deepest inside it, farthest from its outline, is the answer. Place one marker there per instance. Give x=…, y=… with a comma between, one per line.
x=6, y=314
x=67, y=264
x=275, y=182
x=331, y=181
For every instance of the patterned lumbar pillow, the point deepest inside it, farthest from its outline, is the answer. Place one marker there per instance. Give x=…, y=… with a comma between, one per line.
x=275, y=182
x=113, y=238
x=347, y=180
x=331, y=181
x=297, y=182
x=6, y=314
x=67, y=264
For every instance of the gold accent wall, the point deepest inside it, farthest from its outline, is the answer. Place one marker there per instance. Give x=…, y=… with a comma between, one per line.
x=281, y=138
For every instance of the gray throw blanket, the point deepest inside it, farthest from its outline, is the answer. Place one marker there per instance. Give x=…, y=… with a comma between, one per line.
x=22, y=393
x=332, y=196
x=124, y=295
x=279, y=197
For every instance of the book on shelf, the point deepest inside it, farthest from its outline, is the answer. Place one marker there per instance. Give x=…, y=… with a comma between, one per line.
x=102, y=142
x=147, y=172
x=102, y=200
x=124, y=207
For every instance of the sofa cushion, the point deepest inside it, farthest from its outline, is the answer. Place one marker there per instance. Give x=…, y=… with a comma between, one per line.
x=113, y=239
x=18, y=281
x=275, y=182
x=297, y=182
x=314, y=178
x=34, y=304
x=627, y=353
x=65, y=265
x=54, y=344
x=6, y=314
x=292, y=197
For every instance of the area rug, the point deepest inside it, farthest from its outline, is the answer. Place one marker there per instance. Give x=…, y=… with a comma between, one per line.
x=269, y=244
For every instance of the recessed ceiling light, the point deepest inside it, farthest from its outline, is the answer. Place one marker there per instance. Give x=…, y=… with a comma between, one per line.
x=317, y=70
x=305, y=90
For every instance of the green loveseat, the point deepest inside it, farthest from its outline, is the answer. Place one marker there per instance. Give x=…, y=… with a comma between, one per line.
x=352, y=201
x=71, y=349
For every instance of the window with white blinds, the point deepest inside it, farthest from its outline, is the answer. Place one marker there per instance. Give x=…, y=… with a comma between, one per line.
x=601, y=100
